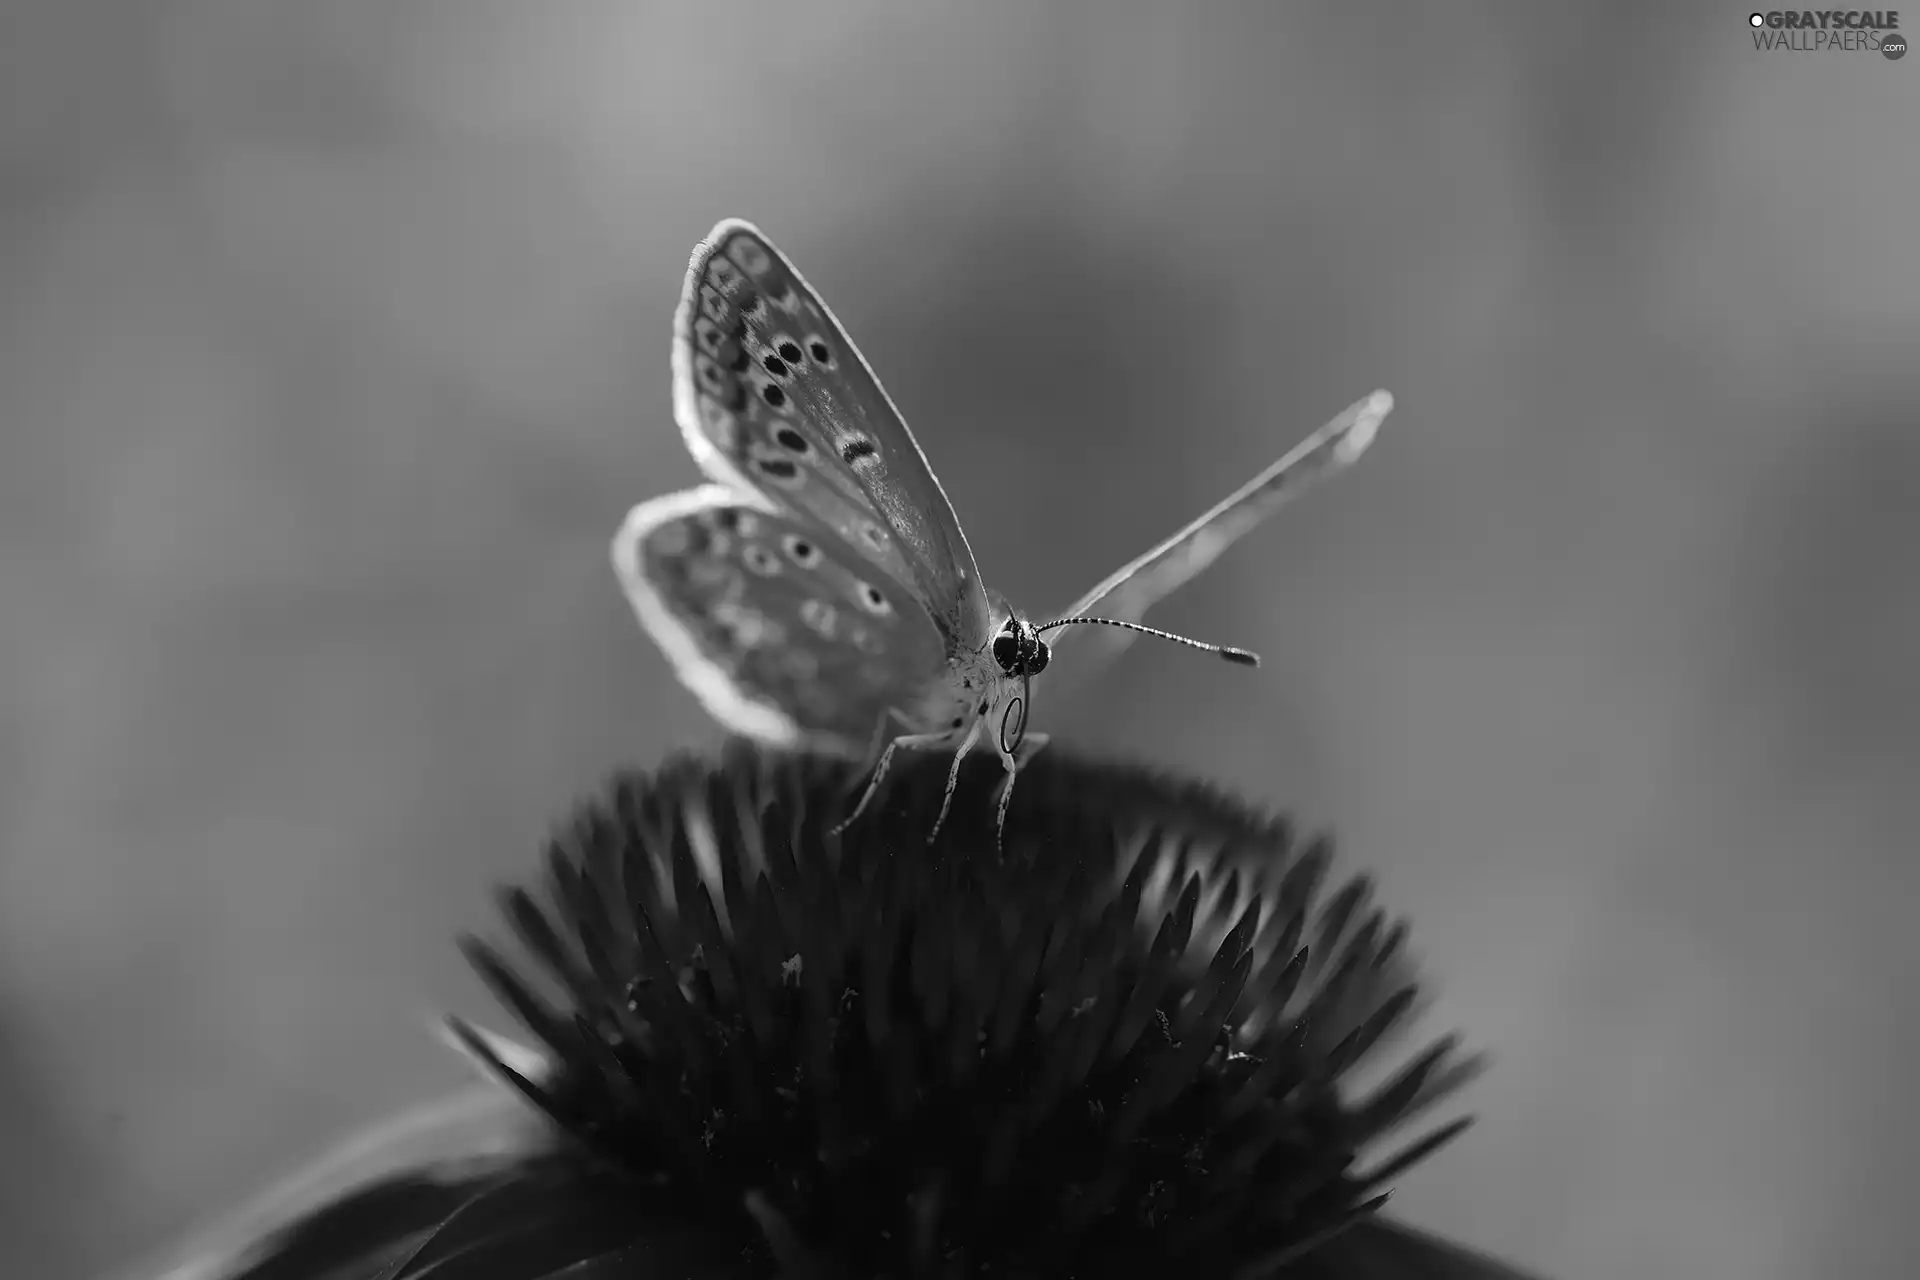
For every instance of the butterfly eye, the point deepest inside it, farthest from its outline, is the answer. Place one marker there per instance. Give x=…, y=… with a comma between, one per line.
x=875, y=602
x=1006, y=652
x=1038, y=659
x=804, y=553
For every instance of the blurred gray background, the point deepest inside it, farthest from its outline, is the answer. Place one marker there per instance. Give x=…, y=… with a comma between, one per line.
x=333, y=347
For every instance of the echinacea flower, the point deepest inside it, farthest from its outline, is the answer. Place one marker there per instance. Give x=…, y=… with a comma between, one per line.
x=1128, y=1041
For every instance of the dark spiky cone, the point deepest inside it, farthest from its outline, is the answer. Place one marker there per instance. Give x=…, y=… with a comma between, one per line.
x=1120, y=1045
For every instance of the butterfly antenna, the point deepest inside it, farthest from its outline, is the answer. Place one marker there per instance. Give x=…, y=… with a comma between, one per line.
x=1244, y=657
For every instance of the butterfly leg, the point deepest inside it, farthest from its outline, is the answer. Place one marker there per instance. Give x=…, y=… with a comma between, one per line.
x=953, y=778
x=862, y=785
x=912, y=741
x=1014, y=762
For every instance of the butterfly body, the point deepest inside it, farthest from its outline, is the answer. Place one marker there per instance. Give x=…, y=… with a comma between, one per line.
x=821, y=593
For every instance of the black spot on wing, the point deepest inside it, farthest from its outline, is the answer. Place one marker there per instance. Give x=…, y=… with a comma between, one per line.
x=804, y=553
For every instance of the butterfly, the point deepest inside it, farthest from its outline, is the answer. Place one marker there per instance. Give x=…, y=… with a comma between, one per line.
x=820, y=593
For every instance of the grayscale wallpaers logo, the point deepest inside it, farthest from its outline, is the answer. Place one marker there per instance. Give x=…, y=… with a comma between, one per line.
x=1824, y=30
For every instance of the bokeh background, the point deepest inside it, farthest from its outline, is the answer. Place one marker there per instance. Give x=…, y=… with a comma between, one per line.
x=333, y=347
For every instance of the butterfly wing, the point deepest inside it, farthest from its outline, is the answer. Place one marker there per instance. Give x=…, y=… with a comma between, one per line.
x=773, y=397
x=1139, y=585
x=781, y=630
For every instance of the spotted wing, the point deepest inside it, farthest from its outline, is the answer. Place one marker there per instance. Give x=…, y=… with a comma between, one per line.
x=772, y=396
x=1138, y=586
x=775, y=624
